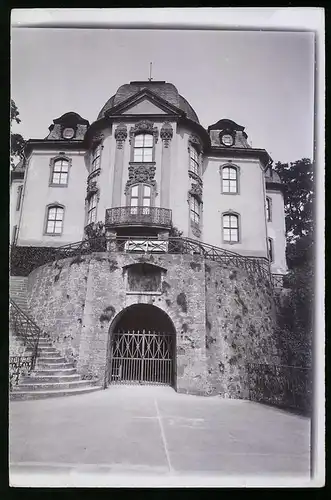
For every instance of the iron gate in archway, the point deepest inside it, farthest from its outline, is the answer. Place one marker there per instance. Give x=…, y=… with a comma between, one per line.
x=142, y=357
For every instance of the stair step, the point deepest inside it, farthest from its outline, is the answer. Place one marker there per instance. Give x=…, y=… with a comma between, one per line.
x=46, y=354
x=52, y=359
x=36, y=379
x=54, y=371
x=44, y=364
x=44, y=350
x=55, y=385
x=24, y=395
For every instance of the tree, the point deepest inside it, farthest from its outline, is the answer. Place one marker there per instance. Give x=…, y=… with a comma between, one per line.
x=295, y=318
x=297, y=178
x=16, y=140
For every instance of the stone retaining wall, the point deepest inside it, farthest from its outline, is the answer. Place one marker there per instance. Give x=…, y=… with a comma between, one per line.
x=222, y=317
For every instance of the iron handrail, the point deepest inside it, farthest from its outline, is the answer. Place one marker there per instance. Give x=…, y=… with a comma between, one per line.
x=175, y=245
x=25, y=329
x=283, y=385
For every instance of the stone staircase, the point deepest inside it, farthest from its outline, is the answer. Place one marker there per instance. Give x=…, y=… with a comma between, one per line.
x=53, y=375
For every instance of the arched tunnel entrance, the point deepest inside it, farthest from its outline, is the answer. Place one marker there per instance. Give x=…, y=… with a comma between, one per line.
x=142, y=347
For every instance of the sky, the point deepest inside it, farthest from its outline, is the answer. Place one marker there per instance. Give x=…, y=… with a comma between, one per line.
x=262, y=80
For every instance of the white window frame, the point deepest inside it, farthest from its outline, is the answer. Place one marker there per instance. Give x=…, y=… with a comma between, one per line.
x=231, y=227
x=194, y=165
x=96, y=157
x=229, y=180
x=268, y=209
x=92, y=208
x=271, y=254
x=143, y=148
x=57, y=208
x=195, y=210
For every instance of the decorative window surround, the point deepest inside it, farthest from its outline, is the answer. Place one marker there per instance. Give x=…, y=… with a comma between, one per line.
x=166, y=134
x=143, y=127
x=92, y=188
x=196, y=191
x=54, y=219
x=195, y=177
x=231, y=225
x=121, y=133
x=141, y=173
x=229, y=178
x=194, y=141
x=53, y=161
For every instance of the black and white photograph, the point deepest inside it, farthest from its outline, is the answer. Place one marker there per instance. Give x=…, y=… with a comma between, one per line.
x=166, y=237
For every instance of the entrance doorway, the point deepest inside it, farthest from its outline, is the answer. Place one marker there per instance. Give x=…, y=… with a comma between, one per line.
x=142, y=347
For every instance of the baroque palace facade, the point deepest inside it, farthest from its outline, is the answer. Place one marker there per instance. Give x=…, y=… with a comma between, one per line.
x=149, y=247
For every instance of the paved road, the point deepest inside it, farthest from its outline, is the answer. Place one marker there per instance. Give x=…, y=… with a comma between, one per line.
x=128, y=433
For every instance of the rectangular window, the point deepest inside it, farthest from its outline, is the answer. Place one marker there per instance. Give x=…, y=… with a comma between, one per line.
x=92, y=209
x=268, y=209
x=60, y=172
x=229, y=180
x=96, y=156
x=270, y=250
x=195, y=210
x=14, y=235
x=143, y=148
x=19, y=197
x=54, y=220
x=230, y=228
x=194, y=161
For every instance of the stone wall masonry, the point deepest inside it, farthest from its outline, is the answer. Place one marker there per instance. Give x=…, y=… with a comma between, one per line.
x=56, y=299
x=77, y=302
x=223, y=318
x=240, y=327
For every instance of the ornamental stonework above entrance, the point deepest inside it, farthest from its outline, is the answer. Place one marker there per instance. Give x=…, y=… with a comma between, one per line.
x=140, y=173
x=142, y=127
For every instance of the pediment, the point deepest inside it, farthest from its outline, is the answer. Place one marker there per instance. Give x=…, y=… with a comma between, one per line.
x=145, y=102
x=144, y=107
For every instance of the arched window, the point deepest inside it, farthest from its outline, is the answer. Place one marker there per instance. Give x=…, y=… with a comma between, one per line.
x=92, y=209
x=54, y=221
x=95, y=158
x=230, y=228
x=270, y=249
x=60, y=172
x=195, y=210
x=268, y=209
x=143, y=148
x=230, y=180
x=141, y=195
x=194, y=160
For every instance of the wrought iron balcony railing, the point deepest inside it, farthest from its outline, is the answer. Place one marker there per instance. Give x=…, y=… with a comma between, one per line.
x=142, y=216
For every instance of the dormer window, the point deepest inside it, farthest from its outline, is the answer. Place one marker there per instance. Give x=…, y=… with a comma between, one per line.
x=143, y=148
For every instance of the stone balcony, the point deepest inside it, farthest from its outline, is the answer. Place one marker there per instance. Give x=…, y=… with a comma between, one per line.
x=138, y=216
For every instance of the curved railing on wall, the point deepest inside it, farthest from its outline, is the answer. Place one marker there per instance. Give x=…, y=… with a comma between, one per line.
x=26, y=330
x=35, y=257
